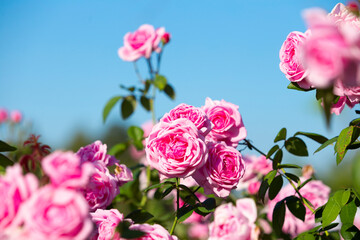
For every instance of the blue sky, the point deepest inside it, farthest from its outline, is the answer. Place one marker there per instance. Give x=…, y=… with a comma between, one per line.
x=59, y=63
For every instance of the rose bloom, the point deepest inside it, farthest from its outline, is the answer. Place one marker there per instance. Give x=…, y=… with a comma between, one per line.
x=255, y=169
x=101, y=190
x=222, y=171
x=228, y=125
x=96, y=153
x=123, y=174
x=235, y=222
x=56, y=213
x=194, y=114
x=342, y=16
x=141, y=43
x=16, y=116
x=314, y=191
x=199, y=231
x=290, y=59
x=3, y=115
x=176, y=149
x=65, y=169
x=15, y=189
x=152, y=232
x=106, y=222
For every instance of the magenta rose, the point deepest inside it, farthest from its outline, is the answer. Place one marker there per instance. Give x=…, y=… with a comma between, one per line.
x=176, y=149
x=123, y=174
x=235, y=222
x=106, y=222
x=290, y=59
x=152, y=232
x=314, y=191
x=15, y=190
x=101, y=190
x=222, y=171
x=96, y=153
x=141, y=43
x=65, y=169
x=194, y=114
x=228, y=126
x=56, y=213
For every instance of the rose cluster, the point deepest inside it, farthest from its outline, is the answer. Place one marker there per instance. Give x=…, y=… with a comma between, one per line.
x=199, y=143
x=327, y=55
x=15, y=116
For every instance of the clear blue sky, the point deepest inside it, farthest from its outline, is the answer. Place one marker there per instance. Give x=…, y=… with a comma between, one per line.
x=59, y=63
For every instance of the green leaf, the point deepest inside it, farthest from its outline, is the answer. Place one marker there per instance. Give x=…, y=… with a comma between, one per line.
x=316, y=137
x=270, y=176
x=296, y=207
x=188, y=190
x=331, y=211
x=170, y=92
x=296, y=146
x=343, y=141
x=356, y=176
x=295, y=86
x=348, y=212
x=208, y=205
x=289, y=166
x=327, y=143
x=146, y=102
x=128, y=106
x=109, y=105
x=157, y=186
x=292, y=177
x=184, y=212
x=135, y=133
x=278, y=217
x=117, y=149
x=272, y=151
x=328, y=99
x=281, y=135
x=139, y=216
x=277, y=159
x=275, y=187
x=167, y=191
x=160, y=82
x=4, y=161
x=349, y=231
x=355, y=122
x=305, y=236
x=304, y=183
x=262, y=190
x=4, y=147
x=125, y=232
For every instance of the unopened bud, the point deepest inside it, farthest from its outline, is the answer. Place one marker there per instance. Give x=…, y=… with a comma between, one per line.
x=165, y=38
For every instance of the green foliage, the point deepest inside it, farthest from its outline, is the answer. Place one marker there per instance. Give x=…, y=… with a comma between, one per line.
x=272, y=151
x=327, y=143
x=136, y=134
x=281, y=135
x=295, y=86
x=316, y=137
x=169, y=91
x=275, y=187
x=118, y=149
x=160, y=82
x=140, y=216
x=109, y=106
x=278, y=217
x=128, y=106
x=277, y=159
x=146, y=102
x=4, y=147
x=296, y=146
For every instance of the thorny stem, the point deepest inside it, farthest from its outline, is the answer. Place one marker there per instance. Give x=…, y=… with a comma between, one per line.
x=177, y=206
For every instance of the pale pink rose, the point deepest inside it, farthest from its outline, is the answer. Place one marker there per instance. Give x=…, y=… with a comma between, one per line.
x=235, y=223
x=3, y=115
x=123, y=174
x=290, y=59
x=56, y=213
x=351, y=92
x=65, y=169
x=106, y=222
x=357, y=219
x=101, y=190
x=176, y=149
x=194, y=114
x=341, y=15
x=136, y=154
x=314, y=191
x=16, y=116
x=141, y=43
x=228, y=125
x=254, y=187
x=152, y=232
x=96, y=153
x=222, y=171
x=199, y=231
x=15, y=190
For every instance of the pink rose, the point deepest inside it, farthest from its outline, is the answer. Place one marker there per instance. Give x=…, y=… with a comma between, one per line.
x=56, y=213
x=232, y=223
x=199, y=231
x=341, y=15
x=16, y=116
x=101, y=190
x=351, y=92
x=176, y=149
x=165, y=39
x=106, y=222
x=152, y=232
x=136, y=154
x=96, y=153
x=290, y=59
x=141, y=43
x=3, y=115
x=194, y=114
x=254, y=187
x=314, y=191
x=65, y=169
x=15, y=190
x=123, y=174
x=222, y=171
x=228, y=125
